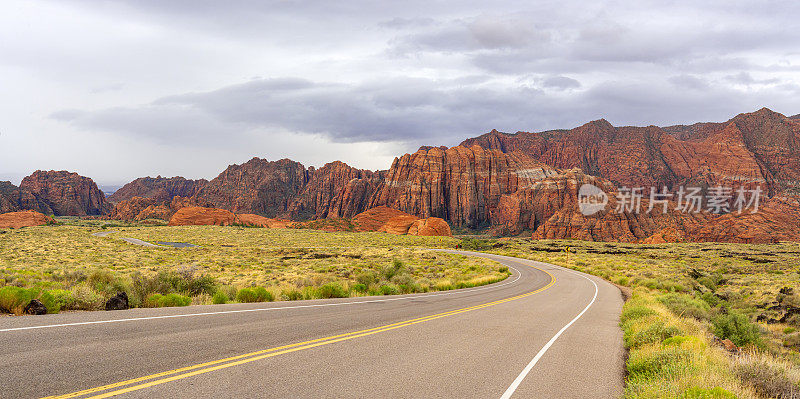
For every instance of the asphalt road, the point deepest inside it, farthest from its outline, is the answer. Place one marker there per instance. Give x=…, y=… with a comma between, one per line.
x=545, y=332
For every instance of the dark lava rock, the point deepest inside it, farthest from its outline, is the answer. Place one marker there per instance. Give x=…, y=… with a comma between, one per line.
x=118, y=302
x=35, y=307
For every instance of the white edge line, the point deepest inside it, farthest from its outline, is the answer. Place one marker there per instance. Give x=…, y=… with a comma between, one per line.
x=265, y=309
x=513, y=387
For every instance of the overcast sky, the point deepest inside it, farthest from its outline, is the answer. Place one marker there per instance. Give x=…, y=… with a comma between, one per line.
x=119, y=90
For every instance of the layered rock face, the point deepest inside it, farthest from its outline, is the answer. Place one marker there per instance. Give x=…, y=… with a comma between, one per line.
x=65, y=193
x=459, y=184
x=16, y=220
x=157, y=188
x=12, y=198
x=528, y=182
x=762, y=147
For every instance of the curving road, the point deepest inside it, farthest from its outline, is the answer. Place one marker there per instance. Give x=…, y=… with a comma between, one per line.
x=546, y=332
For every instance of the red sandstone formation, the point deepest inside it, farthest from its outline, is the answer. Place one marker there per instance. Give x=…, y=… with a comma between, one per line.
x=398, y=225
x=66, y=193
x=430, y=227
x=157, y=188
x=373, y=219
x=200, y=216
x=16, y=220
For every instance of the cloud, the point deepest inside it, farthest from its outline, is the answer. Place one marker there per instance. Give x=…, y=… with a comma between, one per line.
x=561, y=83
x=171, y=82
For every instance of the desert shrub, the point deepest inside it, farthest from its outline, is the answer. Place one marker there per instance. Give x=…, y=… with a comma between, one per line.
x=169, y=300
x=332, y=290
x=706, y=393
x=360, y=288
x=685, y=305
x=291, y=295
x=708, y=282
x=366, y=278
x=503, y=269
x=711, y=299
x=256, y=294
x=737, y=328
x=392, y=270
x=63, y=298
x=389, y=289
x=105, y=281
x=767, y=379
x=219, y=298
x=86, y=298
x=655, y=332
x=186, y=281
x=14, y=299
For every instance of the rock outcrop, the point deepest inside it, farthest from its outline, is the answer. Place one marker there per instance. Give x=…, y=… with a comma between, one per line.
x=158, y=188
x=392, y=221
x=373, y=219
x=66, y=193
x=12, y=198
x=19, y=219
x=200, y=216
x=762, y=147
x=430, y=227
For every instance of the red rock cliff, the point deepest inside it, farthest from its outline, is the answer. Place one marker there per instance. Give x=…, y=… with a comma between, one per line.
x=66, y=193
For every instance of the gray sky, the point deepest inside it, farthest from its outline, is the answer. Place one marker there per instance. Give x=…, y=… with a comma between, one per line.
x=119, y=90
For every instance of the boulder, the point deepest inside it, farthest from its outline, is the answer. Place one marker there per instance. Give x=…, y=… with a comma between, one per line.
x=35, y=307
x=16, y=220
x=118, y=302
x=200, y=216
x=430, y=227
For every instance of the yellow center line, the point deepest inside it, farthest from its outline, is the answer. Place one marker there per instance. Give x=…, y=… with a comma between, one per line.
x=207, y=367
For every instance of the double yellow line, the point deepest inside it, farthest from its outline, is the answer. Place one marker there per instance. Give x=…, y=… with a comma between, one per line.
x=202, y=368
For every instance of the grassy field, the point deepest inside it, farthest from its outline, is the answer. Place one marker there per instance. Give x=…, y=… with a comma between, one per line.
x=685, y=295
x=232, y=263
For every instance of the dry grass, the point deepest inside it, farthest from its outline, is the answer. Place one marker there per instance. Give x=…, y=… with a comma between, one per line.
x=281, y=260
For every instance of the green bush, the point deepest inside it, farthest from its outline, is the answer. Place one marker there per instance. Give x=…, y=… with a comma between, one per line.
x=737, y=328
x=256, y=294
x=332, y=290
x=706, y=393
x=63, y=298
x=360, y=288
x=219, y=298
x=685, y=305
x=169, y=300
x=366, y=278
x=396, y=268
x=14, y=299
x=388, y=289
x=291, y=295
x=85, y=297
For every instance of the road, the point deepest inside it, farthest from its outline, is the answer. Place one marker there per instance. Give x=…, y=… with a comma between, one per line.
x=545, y=332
